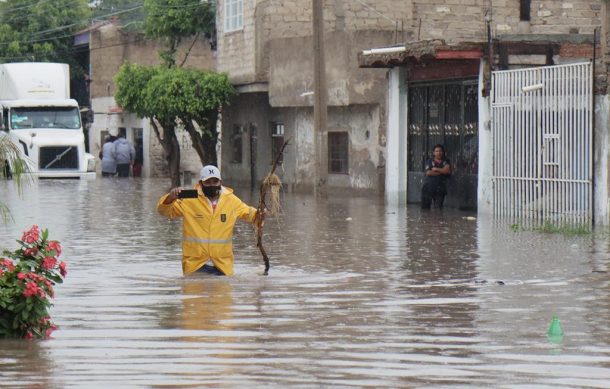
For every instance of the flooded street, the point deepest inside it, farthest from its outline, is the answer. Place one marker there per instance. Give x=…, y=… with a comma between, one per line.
x=358, y=295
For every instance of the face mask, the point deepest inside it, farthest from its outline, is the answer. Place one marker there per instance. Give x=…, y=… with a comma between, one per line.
x=211, y=191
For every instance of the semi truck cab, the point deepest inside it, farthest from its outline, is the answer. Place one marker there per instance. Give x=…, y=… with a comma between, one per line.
x=40, y=119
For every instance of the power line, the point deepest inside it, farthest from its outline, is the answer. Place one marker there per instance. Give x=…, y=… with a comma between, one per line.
x=63, y=28
x=379, y=13
x=25, y=6
x=24, y=15
x=60, y=28
x=79, y=49
x=99, y=17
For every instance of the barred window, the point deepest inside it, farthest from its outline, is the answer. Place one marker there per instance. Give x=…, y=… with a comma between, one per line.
x=234, y=10
x=526, y=7
x=338, y=152
x=236, y=145
x=277, y=140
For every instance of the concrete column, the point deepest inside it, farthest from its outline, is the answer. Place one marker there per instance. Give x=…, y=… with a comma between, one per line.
x=601, y=160
x=485, y=171
x=396, y=144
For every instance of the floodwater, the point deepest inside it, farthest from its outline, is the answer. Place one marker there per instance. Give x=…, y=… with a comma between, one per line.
x=358, y=295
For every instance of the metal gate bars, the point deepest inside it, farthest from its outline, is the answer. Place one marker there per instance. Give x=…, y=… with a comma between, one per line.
x=541, y=122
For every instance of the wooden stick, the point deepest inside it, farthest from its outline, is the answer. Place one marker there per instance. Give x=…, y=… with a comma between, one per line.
x=260, y=211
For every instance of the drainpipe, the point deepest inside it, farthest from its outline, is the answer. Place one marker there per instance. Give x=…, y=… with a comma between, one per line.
x=592, y=157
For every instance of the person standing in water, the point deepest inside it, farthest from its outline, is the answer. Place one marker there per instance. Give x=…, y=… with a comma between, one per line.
x=438, y=171
x=207, y=223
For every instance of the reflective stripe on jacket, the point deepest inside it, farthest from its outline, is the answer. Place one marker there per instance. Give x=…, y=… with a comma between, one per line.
x=207, y=234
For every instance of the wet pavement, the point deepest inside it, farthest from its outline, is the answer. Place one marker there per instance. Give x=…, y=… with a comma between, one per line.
x=358, y=295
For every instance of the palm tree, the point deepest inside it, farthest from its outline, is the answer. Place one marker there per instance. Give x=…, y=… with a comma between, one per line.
x=12, y=166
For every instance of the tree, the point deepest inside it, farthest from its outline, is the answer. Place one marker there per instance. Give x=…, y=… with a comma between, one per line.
x=42, y=30
x=170, y=95
x=174, y=20
x=11, y=166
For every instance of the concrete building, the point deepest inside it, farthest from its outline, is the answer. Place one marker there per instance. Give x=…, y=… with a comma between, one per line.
x=516, y=92
x=109, y=47
x=266, y=47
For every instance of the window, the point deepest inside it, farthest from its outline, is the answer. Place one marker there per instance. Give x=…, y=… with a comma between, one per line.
x=277, y=140
x=234, y=10
x=45, y=117
x=338, y=151
x=236, y=144
x=525, y=10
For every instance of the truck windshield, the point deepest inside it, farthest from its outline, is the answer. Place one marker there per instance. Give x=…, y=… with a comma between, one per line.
x=45, y=117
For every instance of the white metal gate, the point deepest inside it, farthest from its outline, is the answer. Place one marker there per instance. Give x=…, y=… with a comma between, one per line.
x=542, y=143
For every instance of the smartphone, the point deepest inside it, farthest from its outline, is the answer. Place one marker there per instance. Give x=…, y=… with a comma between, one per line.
x=188, y=194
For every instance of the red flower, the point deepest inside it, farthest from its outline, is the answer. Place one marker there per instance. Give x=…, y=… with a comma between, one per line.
x=62, y=269
x=49, y=263
x=32, y=289
x=50, y=330
x=54, y=245
x=32, y=235
x=30, y=252
x=27, y=281
x=8, y=264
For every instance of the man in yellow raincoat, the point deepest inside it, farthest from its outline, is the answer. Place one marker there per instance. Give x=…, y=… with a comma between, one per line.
x=207, y=223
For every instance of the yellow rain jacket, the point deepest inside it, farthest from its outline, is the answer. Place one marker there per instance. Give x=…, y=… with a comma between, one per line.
x=207, y=234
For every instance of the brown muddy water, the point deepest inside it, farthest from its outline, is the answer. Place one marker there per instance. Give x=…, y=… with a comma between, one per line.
x=358, y=295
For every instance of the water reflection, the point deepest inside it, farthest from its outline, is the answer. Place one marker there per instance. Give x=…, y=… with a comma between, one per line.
x=359, y=294
x=24, y=364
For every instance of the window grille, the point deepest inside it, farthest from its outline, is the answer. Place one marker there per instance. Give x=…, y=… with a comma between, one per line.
x=236, y=144
x=525, y=10
x=338, y=152
x=277, y=140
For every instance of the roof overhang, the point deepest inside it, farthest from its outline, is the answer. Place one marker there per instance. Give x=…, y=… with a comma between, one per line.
x=419, y=51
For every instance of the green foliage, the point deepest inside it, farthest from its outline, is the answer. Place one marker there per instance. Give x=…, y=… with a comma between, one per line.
x=27, y=278
x=549, y=227
x=131, y=81
x=170, y=93
x=40, y=30
x=178, y=18
x=11, y=163
x=173, y=20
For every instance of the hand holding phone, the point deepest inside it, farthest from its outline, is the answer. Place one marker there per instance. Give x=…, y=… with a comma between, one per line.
x=188, y=194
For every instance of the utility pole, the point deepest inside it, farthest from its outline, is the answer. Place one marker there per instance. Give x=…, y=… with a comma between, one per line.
x=320, y=100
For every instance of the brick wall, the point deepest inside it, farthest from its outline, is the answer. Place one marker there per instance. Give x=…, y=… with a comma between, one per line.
x=243, y=53
x=110, y=48
x=236, y=49
x=464, y=20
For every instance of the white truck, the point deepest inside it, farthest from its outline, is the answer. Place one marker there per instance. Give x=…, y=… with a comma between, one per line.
x=38, y=116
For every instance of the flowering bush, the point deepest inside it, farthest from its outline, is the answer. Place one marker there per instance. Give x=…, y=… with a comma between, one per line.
x=27, y=277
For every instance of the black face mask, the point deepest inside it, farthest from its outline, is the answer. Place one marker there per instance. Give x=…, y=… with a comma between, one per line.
x=211, y=191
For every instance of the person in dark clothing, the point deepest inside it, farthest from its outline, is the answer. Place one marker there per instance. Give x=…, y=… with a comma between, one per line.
x=138, y=161
x=124, y=153
x=107, y=157
x=438, y=171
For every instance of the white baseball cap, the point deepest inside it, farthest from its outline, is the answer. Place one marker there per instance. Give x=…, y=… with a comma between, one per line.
x=209, y=171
